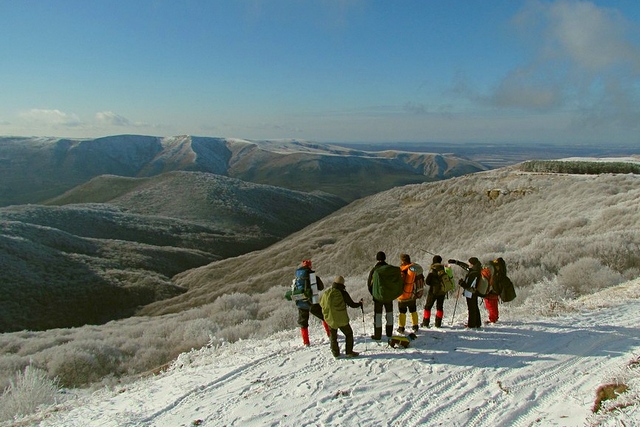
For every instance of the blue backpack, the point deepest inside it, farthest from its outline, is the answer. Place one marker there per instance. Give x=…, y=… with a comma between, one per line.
x=301, y=285
x=304, y=288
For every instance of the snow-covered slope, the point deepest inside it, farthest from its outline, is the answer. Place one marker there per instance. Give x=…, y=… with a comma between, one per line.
x=520, y=372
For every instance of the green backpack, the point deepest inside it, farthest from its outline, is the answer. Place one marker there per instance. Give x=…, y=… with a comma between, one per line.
x=446, y=284
x=387, y=283
x=334, y=309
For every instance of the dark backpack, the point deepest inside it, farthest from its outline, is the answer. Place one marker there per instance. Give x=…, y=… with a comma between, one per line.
x=445, y=282
x=500, y=282
x=508, y=292
x=387, y=283
x=418, y=282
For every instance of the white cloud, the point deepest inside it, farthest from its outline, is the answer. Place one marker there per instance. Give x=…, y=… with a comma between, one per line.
x=593, y=38
x=582, y=60
x=112, y=119
x=51, y=117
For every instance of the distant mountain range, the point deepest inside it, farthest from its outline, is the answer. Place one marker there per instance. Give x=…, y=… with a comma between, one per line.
x=35, y=170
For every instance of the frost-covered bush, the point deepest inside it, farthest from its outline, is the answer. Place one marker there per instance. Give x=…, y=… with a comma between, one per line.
x=587, y=275
x=30, y=389
x=82, y=361
x=246, y=329
x=546, y=297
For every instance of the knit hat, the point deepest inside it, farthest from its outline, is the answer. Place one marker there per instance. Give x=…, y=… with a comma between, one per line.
x=437, y=259
x=306, y=263
x=474, y=261
x=339, y=280
x=380, y=256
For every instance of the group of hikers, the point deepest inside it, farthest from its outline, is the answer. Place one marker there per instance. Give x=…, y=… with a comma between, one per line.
x=404, y=284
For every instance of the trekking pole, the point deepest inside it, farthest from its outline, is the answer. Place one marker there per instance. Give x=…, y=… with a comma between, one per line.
x=453, y=316
x=364, y=328
x=429, y=252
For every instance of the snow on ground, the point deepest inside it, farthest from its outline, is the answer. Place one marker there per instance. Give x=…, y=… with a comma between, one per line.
x=542, y=372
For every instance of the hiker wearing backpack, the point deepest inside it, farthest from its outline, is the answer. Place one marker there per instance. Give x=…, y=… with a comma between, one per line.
x=469, y=284
x=379, y=304
x=498, y=269
x=334, y=304
x=437, y=292
x=407, y=301
x=307, y=303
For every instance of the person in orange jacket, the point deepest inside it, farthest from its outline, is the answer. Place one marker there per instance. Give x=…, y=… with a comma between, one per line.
x=407, y=301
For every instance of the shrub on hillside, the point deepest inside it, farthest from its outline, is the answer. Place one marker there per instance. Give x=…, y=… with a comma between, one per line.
x=30, y=389
x=586, y=276
x=545, y=298
x=579, y=167
x=84, y=363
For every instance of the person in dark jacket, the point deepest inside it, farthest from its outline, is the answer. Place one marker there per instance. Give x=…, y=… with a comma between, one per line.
x=338, y=318
x=498, y=270
x=305, y=308
x=469, y=284
x=433, y=282
x=379, y=305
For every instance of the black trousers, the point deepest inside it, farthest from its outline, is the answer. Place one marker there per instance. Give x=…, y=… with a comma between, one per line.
x=474, y=320
x=303, y=315
x=348, y=335
x=437, y=300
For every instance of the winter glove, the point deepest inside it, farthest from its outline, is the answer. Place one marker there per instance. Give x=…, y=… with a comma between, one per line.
x=452, y=261
x=462, y=283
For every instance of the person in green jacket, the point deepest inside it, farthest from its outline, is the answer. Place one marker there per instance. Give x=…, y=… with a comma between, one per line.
x=334, y=303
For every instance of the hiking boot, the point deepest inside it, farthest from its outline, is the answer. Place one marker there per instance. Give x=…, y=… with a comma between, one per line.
x=415, y=328
x=336, y=355
x=377, y=334
x=425, y=323
x=352, y=354
x=401, y=329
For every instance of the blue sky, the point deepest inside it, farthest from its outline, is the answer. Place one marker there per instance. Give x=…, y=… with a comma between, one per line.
x=323, y=70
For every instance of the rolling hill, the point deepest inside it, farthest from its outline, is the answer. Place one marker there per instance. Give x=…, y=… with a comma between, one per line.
x=75, y=264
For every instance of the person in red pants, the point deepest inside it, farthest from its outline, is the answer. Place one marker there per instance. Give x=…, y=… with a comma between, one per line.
x=308, y=306
x=498, y=269
x=491, y=304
